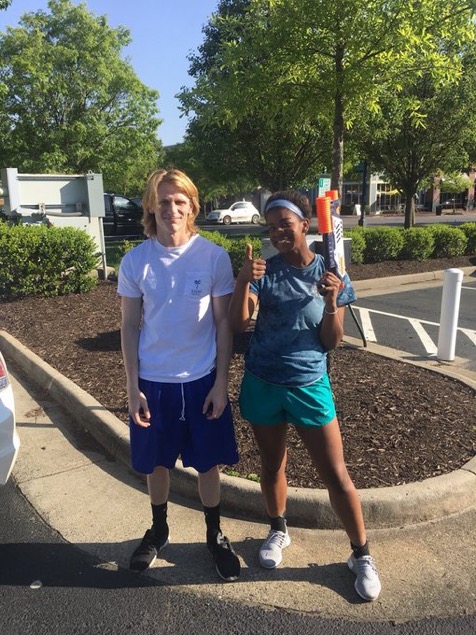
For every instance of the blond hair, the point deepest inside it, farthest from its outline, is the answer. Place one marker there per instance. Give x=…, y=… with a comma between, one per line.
x=150, y=200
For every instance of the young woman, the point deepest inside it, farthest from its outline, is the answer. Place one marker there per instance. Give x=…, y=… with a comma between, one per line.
x=176, y=343
x=301, y=312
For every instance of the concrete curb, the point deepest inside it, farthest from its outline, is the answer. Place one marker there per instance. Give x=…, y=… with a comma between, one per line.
x=384, y=507
x=394, y=281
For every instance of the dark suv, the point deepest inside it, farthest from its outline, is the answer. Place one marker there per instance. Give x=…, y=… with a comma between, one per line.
x=123, y=215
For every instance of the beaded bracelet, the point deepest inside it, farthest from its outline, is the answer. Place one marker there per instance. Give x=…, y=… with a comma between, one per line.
x=331, y=312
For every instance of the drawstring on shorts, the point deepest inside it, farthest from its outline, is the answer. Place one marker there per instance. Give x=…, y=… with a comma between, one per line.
x=182, y=416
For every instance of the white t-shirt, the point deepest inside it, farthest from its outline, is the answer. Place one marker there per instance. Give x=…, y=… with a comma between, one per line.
x=177, y=340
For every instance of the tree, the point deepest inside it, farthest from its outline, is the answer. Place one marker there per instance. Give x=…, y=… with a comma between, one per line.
x=422, y=130
x=272, y=151
x=4, y=4
x=454, y=183
x=70, y=103
x=199, y=155
x=324, y=60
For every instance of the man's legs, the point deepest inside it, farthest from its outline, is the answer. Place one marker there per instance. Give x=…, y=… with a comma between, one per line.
x=226, y=561
x=157, y=537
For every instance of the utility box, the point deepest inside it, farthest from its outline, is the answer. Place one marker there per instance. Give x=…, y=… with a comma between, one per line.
x=61, y=200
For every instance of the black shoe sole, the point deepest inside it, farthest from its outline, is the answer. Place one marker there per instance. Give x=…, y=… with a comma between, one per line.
x=142, y=569
x=229, y=579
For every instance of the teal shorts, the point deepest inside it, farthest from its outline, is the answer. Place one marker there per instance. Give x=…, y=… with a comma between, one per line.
x=264, y=404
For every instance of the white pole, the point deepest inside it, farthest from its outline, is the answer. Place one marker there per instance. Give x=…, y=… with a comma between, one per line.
x=452, y=281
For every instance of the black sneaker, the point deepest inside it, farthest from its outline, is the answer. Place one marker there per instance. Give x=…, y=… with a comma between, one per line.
x=146, y=553
x=226, y=561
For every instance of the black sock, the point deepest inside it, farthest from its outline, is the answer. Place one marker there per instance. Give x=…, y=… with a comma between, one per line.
x=360, y=551
x=159, y=519
x=212, y=520
x=278, y=523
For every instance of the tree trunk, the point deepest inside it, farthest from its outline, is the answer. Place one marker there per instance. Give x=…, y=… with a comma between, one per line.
x=409, y=210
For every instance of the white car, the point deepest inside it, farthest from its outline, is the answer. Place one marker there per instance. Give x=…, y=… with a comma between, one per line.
x=9, y=440
x=240, y=212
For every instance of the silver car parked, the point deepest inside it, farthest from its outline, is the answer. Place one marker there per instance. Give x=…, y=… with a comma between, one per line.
x=9, y=440
x=240, y=212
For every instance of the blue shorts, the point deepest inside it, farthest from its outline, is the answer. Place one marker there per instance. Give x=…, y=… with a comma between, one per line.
x=178, y=428
x=264, y=404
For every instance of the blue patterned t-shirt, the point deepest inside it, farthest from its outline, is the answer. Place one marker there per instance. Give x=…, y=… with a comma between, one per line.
x=285, y=348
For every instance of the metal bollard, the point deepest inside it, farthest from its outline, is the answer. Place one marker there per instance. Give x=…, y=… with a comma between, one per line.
x=452, y=281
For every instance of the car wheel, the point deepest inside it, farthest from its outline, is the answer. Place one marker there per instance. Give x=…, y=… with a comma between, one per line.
x=255, y=219
x=226, y=220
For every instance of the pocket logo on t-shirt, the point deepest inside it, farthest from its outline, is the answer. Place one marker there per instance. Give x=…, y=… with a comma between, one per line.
x=197, y=284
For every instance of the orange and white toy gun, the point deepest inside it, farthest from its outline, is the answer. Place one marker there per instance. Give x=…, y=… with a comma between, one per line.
x=331, y=230
x=337, y=229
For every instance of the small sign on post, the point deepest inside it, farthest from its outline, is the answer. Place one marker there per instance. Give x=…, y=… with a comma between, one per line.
x=323, y=184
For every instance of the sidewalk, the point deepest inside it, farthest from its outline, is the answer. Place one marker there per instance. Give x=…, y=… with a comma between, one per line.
x=422, y=535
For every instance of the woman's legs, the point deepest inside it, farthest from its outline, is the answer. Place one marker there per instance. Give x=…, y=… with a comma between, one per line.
x=271, y=442
x=326, y=451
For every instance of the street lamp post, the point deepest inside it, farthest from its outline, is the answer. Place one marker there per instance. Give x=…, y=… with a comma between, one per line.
x=361, y=221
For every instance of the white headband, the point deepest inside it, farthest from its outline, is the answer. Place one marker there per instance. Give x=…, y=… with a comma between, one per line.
x=282, y=202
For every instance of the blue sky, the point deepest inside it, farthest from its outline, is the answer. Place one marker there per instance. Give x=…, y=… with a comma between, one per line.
x=163, y=34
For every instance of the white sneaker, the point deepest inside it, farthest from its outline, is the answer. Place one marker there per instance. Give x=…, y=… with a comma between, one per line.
x=367, y=583
x=271, y=551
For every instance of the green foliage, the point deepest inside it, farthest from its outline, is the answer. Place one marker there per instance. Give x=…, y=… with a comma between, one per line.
x=375, y=244
x=217, y=238
x=293, y=70
x=418, y=244
x=357, y=248
x=449, y=241
x=116, y=251
x=237, y=251
x=454, y=182
x=236, y=248
x=469, y=230
x=382, y=243
x=71, y=103
x=37, y=260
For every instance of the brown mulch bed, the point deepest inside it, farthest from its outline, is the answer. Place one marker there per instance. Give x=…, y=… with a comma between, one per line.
x=400, y=423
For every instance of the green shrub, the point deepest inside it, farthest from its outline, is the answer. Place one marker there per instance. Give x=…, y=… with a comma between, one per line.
x=357, y=246
x=217, y=238
x=237, y=251
x=236, y=248
x=469, y=230
x=382, y=243
x=449, y=241
x=418, y=244
x=46, y=261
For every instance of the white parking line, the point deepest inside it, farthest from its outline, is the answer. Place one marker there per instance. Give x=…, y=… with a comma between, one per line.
x=367, y=327
x=417, y=325
x=471, y=335
x=425, y=339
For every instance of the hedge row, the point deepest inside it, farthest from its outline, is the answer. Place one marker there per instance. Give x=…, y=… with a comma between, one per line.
x=376, y=244
x=46, y=261
x=236, y=248
x=49, y=261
